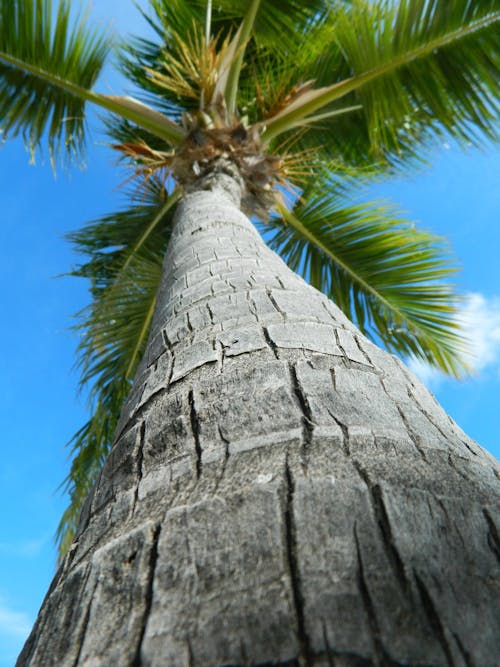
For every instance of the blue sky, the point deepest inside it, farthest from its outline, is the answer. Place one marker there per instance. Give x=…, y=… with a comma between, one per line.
x=459, y=197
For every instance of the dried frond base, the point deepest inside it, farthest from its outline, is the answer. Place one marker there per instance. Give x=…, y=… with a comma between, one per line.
x=241, y=146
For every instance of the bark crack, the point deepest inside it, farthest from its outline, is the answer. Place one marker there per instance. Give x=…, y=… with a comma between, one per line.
x=307, y=418
x=292, y=662
x=220, y=349
x=345, y=433
x=243, y=653
x=433, y=617
x=425, y=413
x=345, y=357
x=443, y=507
x=66, y=565
x=153, y=559
x=251, y=305
x=210, y=313
x=329, y=655
x=493, y=536
x=456, y=468
x=411, y=432
x=385, y=529
x=292, y=559
x=432, y=421
x=388, y=538
x=275, y=304
x=270, y=342
x=86, y=618
x=140, y=461
x=226, y=442
x=139, y=413
x=466, y=445
x=329, y=313
x=190, y=657
x=281, y=283
x=465, y=654
x=381, y=655
x=195, y=428
x=334, y=379
x=358, y=345
x=170, y=348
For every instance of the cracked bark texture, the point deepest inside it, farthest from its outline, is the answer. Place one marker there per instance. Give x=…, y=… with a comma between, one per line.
x=280, y=490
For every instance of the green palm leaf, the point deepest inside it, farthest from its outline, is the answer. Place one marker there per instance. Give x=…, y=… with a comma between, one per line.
x=419, y=69
x=47, y=70
x=125, y=252
x=386, y=275
x=34, y=38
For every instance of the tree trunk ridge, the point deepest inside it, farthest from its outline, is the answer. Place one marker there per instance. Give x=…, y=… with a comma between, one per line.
x=280, y=490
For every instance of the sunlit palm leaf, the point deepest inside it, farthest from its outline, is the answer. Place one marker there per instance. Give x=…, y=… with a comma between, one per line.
x=47, y=70
x=418, y=67
x=386, y=275
x=32, y=34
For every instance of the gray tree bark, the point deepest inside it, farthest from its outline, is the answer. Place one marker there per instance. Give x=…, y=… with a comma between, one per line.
x=280, y=491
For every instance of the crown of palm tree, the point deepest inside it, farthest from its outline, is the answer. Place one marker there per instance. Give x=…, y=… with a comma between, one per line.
x=311, y=101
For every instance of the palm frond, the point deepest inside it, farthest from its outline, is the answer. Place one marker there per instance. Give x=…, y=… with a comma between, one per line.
x=419, y=68
x=266, y=20
x=386, y=275
x=264, y=26
x=47, y=71
x=121, y=131
x=125, y=254
x=89, y=448
x=35, y=39
x=191, y=67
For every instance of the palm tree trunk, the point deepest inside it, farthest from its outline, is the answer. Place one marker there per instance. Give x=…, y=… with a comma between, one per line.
x=280, y=490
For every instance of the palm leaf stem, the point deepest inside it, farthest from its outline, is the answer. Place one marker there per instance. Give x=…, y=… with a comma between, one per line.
x=295, y=114
x=328, y=114
x=208, y=21
x=140, y=339
x=208, y=31
x=150, y=120
x=241, y=37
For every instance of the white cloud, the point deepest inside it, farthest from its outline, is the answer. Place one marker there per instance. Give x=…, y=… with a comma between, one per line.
x=480, y=317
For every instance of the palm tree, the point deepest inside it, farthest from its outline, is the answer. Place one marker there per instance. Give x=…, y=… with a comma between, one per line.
x=277, y=490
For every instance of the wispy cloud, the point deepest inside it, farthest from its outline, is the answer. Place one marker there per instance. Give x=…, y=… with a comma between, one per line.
x=13, y=623
x=24, y=548
x=15, y=626
x=481, y=321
